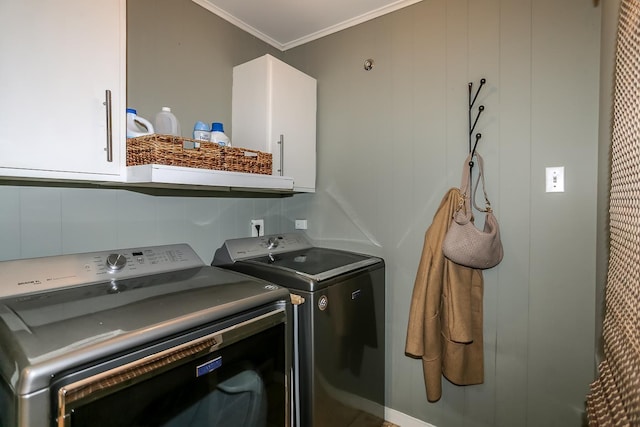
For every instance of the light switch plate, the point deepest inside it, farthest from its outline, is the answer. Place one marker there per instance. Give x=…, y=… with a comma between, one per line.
x=555, y=179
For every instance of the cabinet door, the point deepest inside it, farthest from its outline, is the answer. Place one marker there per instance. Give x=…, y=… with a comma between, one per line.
x=58, y=60
x=293, y=113
x=274, y=101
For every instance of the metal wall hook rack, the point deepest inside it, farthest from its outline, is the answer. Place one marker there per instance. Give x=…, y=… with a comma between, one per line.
x=472, y=123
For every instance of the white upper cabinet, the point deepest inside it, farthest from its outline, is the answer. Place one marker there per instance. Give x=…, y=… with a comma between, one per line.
x=274, y=111
x=59, y=59
x=63, y=61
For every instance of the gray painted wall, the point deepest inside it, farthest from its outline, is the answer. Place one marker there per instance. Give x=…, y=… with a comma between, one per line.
x=610, y=12
x=181, y=56
x=390, y=143
x=41, y=221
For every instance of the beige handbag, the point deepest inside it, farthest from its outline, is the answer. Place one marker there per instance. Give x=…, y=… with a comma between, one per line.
x=464, y=244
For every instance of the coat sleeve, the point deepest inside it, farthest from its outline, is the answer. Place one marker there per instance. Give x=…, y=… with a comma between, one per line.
x=415, y=330
x=423, y=331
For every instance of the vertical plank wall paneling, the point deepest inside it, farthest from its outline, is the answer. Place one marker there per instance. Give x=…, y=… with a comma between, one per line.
x=565, y=87
x=484, y=60
x=10, y=223
x=515, y=188
x=610, y=12
x=541, y=61
x=44, y=221
x=40, y=225
x=89, y=219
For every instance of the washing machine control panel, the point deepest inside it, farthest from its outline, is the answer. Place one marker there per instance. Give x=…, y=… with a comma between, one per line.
x=252, y=247
x=33, y=275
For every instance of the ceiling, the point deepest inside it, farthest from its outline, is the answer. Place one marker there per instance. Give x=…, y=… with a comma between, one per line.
x=289, y=23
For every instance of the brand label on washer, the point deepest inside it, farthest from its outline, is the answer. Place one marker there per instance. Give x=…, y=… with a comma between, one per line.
x=209, y=366
x=323, y=303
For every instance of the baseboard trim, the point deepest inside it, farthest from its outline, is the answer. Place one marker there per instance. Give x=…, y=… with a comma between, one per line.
x=403, y=420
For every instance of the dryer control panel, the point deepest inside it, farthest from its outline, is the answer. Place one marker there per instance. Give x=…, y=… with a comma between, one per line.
x=32, y=275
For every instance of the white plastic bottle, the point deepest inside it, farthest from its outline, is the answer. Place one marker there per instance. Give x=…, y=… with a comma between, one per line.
x=136, y=125
x=218, y=136
x=166, y=123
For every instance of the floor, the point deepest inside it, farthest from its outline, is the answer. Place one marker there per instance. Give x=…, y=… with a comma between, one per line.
x=366, y=420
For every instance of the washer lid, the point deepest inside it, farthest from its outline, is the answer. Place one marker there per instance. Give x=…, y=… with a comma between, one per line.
x=315, y=265
x=318, y=263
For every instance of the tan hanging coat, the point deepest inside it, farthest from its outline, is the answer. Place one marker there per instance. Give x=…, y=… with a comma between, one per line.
x=445, y=318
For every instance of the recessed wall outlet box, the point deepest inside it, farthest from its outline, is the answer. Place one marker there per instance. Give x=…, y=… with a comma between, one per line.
x=555, y=179
x=257, y=227
x=301, y=224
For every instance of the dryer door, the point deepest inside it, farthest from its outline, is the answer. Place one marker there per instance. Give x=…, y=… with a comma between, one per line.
x=233, y=377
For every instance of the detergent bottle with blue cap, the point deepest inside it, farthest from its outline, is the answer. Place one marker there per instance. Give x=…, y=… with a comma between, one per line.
x=218, y=136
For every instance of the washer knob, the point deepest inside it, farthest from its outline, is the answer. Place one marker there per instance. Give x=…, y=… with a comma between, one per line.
x=272, y=243
x=116, y=262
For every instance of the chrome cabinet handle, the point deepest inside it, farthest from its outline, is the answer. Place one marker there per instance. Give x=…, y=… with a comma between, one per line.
x=281, y=142
x=109, y=148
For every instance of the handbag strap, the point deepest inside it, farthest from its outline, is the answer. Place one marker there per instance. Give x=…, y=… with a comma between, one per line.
x=466, y=183
x=484, y=190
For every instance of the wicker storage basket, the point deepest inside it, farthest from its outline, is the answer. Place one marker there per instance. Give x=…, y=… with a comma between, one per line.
x=170, y=150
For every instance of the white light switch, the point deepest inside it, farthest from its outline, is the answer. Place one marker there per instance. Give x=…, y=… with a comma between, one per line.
x=555, y=179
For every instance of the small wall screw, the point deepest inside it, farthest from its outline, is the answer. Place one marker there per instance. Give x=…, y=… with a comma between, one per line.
x=368, y=64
